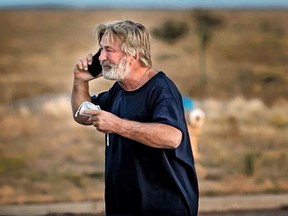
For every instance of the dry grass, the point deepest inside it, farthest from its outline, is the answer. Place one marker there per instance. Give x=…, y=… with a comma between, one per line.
x=46, y=157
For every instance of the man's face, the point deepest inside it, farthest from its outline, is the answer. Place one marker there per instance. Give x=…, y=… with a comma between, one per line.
x=113, y=60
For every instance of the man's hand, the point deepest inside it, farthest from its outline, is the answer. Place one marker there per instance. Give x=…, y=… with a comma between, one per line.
x=81, y=69
x=103, y=121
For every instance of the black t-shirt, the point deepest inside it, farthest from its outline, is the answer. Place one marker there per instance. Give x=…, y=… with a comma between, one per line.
x=141, y=180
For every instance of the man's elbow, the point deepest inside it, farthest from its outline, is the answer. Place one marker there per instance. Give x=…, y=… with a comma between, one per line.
x=82, y=120
x=176, y=140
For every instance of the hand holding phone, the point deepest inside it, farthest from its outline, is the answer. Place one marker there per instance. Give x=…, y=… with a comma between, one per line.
x=95, y=68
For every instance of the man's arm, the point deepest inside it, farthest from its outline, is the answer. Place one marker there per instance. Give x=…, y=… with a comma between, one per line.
x=155, y=135
x=80, y=89
x=79, y=94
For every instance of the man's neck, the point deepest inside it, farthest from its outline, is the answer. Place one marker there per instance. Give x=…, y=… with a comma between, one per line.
x=137, y=78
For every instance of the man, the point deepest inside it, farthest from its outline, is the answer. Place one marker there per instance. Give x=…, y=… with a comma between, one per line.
x=149, y=167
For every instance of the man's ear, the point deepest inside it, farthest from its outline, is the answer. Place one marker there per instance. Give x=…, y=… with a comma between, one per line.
x=134, y=59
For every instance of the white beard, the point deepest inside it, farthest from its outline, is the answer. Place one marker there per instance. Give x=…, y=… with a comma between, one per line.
x=117, y=72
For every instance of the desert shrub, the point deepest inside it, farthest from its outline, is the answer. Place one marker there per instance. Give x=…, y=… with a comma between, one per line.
x=282, y=163
x=273, y=85
x=170, y=31
x=11, y=165
x=272, y=27
x=250, y=160
x=74, y=178
x=279, y=121
x=274, y=165
x=246, y=80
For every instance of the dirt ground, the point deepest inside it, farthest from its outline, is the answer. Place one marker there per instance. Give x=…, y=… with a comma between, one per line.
x=268, y=204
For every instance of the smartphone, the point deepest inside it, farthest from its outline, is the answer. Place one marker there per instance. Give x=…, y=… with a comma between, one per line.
x=95, y=68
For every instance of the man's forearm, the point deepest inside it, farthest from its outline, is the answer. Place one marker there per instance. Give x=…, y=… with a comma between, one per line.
x=155, y=135
x=80, y=93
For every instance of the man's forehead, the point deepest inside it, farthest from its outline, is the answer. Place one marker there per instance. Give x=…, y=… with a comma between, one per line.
x=108, y=41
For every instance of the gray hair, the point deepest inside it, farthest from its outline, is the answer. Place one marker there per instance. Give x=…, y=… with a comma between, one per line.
x=133, y=37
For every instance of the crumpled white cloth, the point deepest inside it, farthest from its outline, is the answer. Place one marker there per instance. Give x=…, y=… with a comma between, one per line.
x=86, y=105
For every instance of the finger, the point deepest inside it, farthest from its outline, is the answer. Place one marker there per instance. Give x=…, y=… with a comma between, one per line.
x=85, y=64
x=79, y=65
x=89, y=58
x=95, y=124
x=91, y=112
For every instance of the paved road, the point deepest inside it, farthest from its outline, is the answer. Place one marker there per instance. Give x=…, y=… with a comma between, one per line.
x=248, y=205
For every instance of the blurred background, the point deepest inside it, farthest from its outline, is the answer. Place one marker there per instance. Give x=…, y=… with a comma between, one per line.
x=229, y=57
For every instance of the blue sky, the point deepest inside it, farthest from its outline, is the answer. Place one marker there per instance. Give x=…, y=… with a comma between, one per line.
x=151, y=3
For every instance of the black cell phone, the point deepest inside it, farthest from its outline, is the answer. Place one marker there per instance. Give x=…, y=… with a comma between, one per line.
x=95, y=68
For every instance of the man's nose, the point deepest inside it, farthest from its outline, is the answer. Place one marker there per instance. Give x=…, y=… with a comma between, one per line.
x=103, y=55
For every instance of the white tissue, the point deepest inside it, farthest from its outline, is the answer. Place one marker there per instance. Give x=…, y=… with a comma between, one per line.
x=86, y=105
